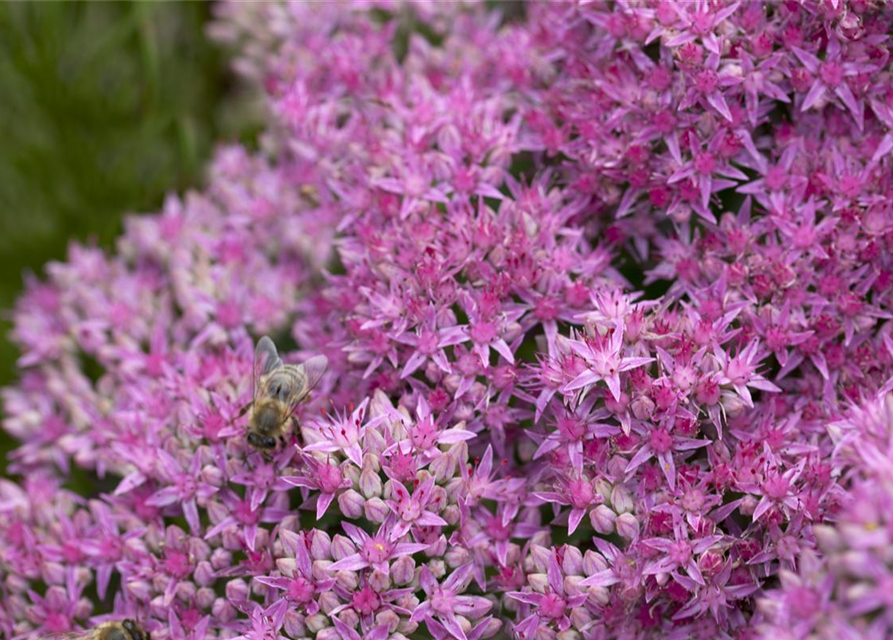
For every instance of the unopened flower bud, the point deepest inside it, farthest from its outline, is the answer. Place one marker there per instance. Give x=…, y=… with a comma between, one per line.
x=370, y=484
x=287, y=566
x=204, y=574
x=451, y=383
x=617, y=466
x=317, y=623
x=380, y=581
x=349, y=617
x=437, y=568
x=451, y=514
x=542, y=539
x=464, y=411
x=342, y=547
x=512, y=331
x=328, y=601
x=599, y=595
x=627, y=526
x=389, y=618
x=376, y=510
x=603, y=488
x=222, y=610
x=82, y=608
x=443, y=466
x=526, y=449
x=433, y=372
x=212, y=475
x=347, y=580
x=539, y=582
x=294, y=624
x=221, y=559
x=237, y=591
x=642, y=407
x=320, y=545
x=748, y=505
x=205, y=597
x=492, y=628
x=403, y=570
x=732, y=404
x=568, y=634
x=139, y=589
x=351, y=504
x=437, y=548
x=232, y=539
x=351, y=473
x=572, y=563
x=53, y=573
x=602, y=519
x=571, y=585
x=456, y=557
x=621, y=499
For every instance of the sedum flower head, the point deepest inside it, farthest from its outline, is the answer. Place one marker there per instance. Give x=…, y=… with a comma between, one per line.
x=604, y=291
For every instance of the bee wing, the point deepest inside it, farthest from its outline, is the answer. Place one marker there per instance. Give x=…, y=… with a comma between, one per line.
x=295, y=381
x=266, y=359
x=313, y=368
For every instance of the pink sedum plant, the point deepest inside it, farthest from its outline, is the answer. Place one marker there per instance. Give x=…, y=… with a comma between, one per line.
x=604, y=289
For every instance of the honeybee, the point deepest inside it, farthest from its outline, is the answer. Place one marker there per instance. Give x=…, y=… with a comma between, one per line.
x=278, y=388
x=125, y=629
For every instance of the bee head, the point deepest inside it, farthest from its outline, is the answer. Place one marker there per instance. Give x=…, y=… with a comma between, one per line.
x=126, y=630
x=136, y=632
x=261, y=442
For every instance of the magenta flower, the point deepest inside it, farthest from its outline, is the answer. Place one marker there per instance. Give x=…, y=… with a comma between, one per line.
x=325, y=477
x=375, y=551
x=602, y=355
x=610, y=267
x=298, y=583
x=551, y=607
x=415, y=509
x=444, y=604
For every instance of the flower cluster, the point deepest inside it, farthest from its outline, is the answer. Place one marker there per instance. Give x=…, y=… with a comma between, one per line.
x=845, y=592
x=603, y=288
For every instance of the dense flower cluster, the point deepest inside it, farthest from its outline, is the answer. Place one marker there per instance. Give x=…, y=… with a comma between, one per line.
x=603, y=289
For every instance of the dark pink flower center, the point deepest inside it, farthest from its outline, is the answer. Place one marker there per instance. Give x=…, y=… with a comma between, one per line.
x=484, y=332
x=776, y=178
x=546, y=309
x=776, y=487
x=707, y=81
x=375, y=550
x=704, y=163
x=580, y=493
x=57, y=623
x=244, y=514
x=329, y=478
x=427, y=343
x=176, y=564
x=680, y=552
x=660, y=441
x=424, y=436
x=552, y=606
x=831, y=74
x=366, y=601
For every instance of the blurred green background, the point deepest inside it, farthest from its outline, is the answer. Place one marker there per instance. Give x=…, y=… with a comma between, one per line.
x=104, y=107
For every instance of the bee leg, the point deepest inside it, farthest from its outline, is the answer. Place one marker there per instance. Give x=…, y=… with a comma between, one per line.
x=295, y=431
x=244, y=410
